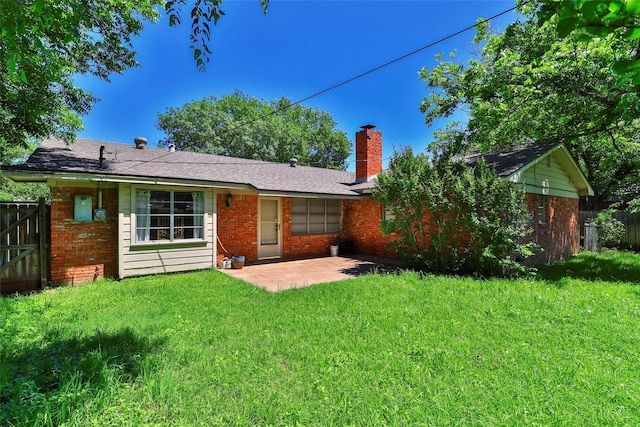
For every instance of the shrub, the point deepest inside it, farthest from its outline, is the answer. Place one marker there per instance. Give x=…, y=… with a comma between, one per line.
x=611, y=229
x=451, y=218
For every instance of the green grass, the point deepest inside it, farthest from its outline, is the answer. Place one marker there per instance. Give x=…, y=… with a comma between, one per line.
x=206, y=349
x=607, y=266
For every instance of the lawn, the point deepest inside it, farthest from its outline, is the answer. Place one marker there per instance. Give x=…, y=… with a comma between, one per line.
x=206, y=349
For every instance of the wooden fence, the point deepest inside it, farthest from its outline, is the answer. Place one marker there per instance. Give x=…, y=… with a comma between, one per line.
x=24, y=246
x=631, y=222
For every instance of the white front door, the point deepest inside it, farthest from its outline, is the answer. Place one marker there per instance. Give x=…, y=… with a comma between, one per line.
x=269, y=241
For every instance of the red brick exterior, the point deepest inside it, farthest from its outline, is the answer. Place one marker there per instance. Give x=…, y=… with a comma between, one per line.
x=81, y=251
x=302, y=246
x=238, y=226
x=361, y=223
x=368, y=154
x=559, y=235
x=238, y=231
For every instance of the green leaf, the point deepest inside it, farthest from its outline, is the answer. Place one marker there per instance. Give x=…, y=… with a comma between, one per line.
x=626, y=66
x=567, y=25
x=614, y=6
x=633, y=6
x=633, y=34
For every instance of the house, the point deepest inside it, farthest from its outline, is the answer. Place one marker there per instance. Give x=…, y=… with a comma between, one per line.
x=120, y=210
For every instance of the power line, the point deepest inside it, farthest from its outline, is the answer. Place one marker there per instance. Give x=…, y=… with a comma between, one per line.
x=373, y=70
x=386, y=64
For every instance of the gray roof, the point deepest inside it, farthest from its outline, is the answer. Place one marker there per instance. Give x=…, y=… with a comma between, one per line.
x=503, y=162
x=125, y=160
x=509, y=161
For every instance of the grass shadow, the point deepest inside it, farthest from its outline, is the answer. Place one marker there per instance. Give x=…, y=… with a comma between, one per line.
x=370, y=266
x=62, y=366
x=611, y=266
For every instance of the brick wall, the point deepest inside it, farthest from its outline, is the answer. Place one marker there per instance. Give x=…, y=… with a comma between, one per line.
x=559, y=235
x=238, y=229
x=82, y=250
x=361, y=223
x=238, y=226
x=303, y=246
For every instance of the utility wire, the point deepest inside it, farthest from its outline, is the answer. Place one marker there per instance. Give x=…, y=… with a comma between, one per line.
x=372, y=70
x=386, y=64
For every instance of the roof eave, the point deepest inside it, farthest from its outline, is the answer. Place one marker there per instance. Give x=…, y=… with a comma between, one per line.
x=274, y=193
x=577, y=177
x=44, y=176
x=22, y=175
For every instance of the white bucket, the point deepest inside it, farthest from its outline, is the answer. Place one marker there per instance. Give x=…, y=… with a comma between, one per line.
x=334, y=250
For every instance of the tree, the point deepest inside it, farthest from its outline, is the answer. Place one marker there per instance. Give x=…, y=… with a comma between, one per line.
x=43, y=43
x=528, y=85
x=10, y=190
x=241, y=126
x=452, y=219
x=598, y=19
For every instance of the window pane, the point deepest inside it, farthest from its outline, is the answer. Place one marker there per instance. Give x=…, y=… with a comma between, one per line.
x=316, y=206
x=299, y=228
x=184, y=202
x=167, y=215
x=160, y=229
x=333, y=206
x=299, y=216
x=333, y=224
x=160, y=202
x=542, y=208
x=299, y=206
x=316, y=228
x=334, y=220
x=312, y=216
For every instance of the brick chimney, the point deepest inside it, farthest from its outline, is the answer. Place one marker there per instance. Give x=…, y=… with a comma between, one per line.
x=368, y=153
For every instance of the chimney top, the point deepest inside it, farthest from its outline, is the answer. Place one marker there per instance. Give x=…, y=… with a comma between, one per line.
x=140, y=141
x=368, y=126
x=172, y=148
x=293, y=162
x=368, y=153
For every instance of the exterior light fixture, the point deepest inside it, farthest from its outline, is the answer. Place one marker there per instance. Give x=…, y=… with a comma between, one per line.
x=229, y=199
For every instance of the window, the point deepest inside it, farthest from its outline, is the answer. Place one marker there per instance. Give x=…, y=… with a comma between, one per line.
x=314, y=216
x=387, y=214
x=169, y=215
x=542, y=208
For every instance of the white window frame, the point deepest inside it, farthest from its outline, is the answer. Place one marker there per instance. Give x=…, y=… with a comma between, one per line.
x=387, y=213
x=145, y=233
x=542, y=208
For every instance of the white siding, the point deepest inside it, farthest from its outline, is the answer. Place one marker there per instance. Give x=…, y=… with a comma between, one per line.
x=155, y=258
x=550, y=175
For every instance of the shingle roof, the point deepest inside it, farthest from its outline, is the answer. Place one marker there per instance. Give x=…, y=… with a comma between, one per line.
x=503, y=162
x=509, y=161
x=126, y=160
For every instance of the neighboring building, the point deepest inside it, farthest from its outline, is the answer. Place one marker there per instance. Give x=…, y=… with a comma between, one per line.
x=122, y=210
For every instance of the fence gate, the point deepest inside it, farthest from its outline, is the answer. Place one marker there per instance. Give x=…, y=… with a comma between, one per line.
x=23, y=246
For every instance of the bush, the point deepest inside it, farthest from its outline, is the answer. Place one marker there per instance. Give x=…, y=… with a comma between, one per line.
x=452, y=219
x=611, y=230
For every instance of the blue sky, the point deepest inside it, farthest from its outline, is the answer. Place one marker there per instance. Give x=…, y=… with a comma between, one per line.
x=296, y=50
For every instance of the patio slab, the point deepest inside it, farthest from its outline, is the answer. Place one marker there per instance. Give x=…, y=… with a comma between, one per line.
x=284, y=275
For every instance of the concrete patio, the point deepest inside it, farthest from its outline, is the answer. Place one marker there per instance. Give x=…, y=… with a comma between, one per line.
x=279, y=275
